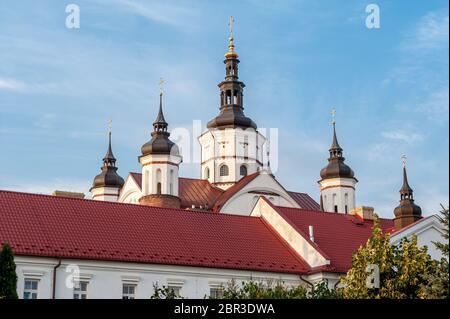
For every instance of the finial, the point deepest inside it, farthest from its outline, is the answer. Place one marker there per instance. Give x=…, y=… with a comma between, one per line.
x=404, y=158
x=161, y=82
x=231, y=26
x=110, y=125
x=333, y=115
x=231, y=53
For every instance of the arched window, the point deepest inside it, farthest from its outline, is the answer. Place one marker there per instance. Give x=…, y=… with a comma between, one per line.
x=224, y=170
x=243, y=170
x=171, y=182
x=158, y=182
x=207, y=173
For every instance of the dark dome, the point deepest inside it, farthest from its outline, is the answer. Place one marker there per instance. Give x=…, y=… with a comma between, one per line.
x=108, y=178
x=231, y=117
x=336, y=168
x=160, y=144
x=407, y=208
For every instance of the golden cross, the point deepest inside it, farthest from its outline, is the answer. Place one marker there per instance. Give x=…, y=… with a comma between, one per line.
x=403, y=157
x=333, y=115
x=110, y=125
x=231, y=25
x=161, y=82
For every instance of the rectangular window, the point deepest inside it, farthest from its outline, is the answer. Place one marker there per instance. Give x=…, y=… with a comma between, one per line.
x=30, y=290
x=80, y=292
x=175, y=289
x=128, y=291
x=216, y=293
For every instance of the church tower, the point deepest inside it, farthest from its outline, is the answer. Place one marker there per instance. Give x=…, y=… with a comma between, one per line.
x=407, y=212
x=232, y=147
x=107, y=184
x=160, y=161
x=337, y=184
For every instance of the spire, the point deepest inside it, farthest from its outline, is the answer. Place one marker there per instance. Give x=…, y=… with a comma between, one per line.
x=406, y=191
x=336, y=166
x=231, y=93
x=109, y=159
x=335, y=149
x=160, y=142
x=160, y=124
x=108, y=176
x=407, y=212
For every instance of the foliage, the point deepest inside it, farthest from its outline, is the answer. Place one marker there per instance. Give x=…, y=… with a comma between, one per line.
x=8, y=276
x=402, y=268
x=322, y=291
x=263, y=290
x=437, y=286
x=163, y=292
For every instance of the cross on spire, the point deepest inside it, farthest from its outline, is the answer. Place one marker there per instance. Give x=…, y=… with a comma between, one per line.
x=161, y=83
x=110, y=125
x=404, y=158
x=333, y=116
x=230, y=23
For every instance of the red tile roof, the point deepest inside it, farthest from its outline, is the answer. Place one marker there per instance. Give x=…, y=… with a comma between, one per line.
x=197, y=192
x=43, y=225
x=337, y=235
x=305, y=201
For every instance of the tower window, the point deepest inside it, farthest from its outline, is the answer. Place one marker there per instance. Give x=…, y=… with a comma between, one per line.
x=224, y=171
x=335, y=208
x=158, y=188
x=243, y=170
x=207, y=173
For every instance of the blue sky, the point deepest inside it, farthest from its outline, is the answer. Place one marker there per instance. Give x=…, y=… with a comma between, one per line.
x=59, y=86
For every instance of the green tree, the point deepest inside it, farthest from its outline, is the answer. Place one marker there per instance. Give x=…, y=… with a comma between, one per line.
x=402, y=268
x=8, y=276
x=163, y=292
x=437, y=286
x=322, y=291
x=263, y=290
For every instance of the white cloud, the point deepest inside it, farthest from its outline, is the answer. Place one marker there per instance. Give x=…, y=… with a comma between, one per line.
x=162, y=12
x=431, y=33
x=11, y=85
x=403, y=136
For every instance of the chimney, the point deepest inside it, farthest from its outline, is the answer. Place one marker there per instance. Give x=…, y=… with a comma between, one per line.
x=58, y=193
x=364, y=212
x=311, y=233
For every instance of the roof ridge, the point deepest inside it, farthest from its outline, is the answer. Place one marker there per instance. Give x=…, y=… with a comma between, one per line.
x=87, y=200
x=323, y=212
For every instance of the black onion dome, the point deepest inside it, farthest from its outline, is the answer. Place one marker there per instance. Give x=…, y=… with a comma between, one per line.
x=231, y=117
x=336, y=166
x=160, y=142
x=108, y=177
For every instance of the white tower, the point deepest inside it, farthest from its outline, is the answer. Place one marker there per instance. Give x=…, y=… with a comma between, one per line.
x=337, y=184
x=232, y=147
x=107, y=184
x=160, y=161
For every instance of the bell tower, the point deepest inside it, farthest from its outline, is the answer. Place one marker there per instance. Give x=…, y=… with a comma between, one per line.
x=338, y=182
x=160, y=161
x=407, y=212
x=232, y=147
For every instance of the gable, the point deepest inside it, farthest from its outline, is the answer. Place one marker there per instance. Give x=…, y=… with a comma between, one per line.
x=242, y=200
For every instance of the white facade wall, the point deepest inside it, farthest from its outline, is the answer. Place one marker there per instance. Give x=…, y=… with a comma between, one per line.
x=428, y=230
x=233, y=148
x=242, y=202
x=130, y=192
x=109, y=194
x=340, y=192
x=105, y=279
x=160, y=169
